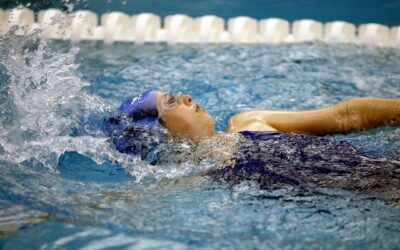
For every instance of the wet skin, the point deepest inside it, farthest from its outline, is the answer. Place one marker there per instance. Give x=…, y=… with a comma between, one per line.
x=182, y=116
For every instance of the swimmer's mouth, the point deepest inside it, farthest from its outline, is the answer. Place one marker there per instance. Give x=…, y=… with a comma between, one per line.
x=197, y=108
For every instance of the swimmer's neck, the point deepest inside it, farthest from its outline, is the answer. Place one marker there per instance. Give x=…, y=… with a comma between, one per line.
x=218, y=147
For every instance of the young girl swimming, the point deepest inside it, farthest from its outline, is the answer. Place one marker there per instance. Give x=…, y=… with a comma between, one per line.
x=274, y=148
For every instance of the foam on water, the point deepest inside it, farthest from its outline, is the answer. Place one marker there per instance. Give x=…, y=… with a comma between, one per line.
x=48, y=113
x=45, y=102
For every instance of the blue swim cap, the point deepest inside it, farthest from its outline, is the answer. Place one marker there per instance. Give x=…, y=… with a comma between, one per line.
x=143, y=106
x=135, y=128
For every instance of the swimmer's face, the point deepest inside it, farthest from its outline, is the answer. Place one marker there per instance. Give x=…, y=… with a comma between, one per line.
x=182, y=116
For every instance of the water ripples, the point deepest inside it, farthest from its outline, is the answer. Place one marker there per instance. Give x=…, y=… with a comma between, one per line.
x=57, y=165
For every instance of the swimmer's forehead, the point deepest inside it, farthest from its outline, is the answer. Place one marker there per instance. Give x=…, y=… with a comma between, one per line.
x=161, y=94
x=164, y=93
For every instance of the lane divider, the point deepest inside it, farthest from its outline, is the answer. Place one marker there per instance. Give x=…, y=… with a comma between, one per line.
x=340, y=32
x=179, y=28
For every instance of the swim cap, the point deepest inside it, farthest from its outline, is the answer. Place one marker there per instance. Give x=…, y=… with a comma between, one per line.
x=143, y=106
x=136, y=129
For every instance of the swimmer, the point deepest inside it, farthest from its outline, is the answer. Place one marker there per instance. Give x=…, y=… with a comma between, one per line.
x=181, y=115
x=266, y=159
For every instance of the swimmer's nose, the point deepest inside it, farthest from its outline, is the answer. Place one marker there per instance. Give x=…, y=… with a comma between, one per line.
x=186, y=99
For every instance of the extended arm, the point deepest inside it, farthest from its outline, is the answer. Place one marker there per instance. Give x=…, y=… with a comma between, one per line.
x=344, y=117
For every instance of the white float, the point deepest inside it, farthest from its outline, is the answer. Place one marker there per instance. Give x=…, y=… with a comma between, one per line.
x=21, y=18
x=307, y=30
x=339, y=32
x=52, y=23
x=243, y=30
x=273, y=30
x=374, y=34
x=225, y=37
x=34, y=28
x=98, y=33
x=82, y=25
x=179, y=29
x=209, y=29
x=162, y=35
x=395, y=36
x=146, y=28
x=117, y=26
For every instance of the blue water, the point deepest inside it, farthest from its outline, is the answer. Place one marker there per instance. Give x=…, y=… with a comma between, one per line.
x=55, y=161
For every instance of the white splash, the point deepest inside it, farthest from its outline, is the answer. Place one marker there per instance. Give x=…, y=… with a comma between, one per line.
x=48, y=112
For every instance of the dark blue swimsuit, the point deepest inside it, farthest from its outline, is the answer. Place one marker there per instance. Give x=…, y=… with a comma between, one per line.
x=275, y=159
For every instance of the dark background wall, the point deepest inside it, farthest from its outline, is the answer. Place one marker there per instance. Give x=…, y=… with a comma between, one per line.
x=354, y=11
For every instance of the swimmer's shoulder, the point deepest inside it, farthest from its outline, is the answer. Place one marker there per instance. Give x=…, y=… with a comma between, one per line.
x=253, y=120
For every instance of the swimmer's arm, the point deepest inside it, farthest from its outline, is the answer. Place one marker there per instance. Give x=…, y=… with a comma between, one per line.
x=344, y=117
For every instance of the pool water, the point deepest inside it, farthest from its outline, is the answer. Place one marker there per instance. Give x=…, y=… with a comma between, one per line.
x=65, y=187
